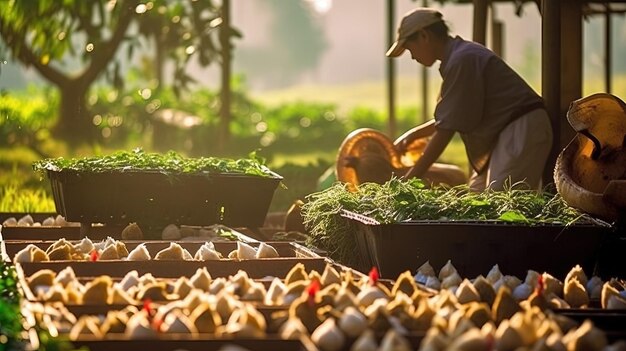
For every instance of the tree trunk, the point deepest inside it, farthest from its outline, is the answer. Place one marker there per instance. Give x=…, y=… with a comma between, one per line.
x=74, y=123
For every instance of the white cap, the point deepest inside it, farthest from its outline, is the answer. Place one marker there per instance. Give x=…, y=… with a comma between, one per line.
x=411, y=23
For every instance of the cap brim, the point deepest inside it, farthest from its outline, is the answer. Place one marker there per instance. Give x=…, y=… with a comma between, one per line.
x=396, y=49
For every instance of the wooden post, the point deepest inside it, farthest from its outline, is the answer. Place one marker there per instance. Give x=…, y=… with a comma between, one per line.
x=571, y=64
x=551, y=75
x=425, y=103
x=480, y=21
x=225, y=117
x=497, y=33
x=608, y=38
x=391, y=70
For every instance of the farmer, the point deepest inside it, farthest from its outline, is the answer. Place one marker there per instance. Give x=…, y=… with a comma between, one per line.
x=502, y=121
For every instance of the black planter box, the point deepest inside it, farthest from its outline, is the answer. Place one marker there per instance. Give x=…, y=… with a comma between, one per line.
x=151, y=197
x=475, y=246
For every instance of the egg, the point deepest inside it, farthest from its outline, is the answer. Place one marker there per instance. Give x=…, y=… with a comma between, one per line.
x=292, y=329
x=352, y=322
x=109, y=254
x=9, y=222
x=132, y=232
x=207, y=252
x=60, y=221
x=451, y=281
x=97, y=291
x=266, y=251
x=172, y=253
x=130, y=279
x=365, y=342
x=575, y=293
x=121, y=297
x=26, y=221
x=504, y=305
x=330, y=276
x=328, y=337
x=578, y=273
x=65, y=276
x=472, y=340
x=369, y=294
x=138, y=327
x=48, y=222
x=182, y=287
x=31, y=253
x=522, y=291
x=85, y=246
x=201, y=279
x=594, y=287
x=275, y=292
x=177, y=323
x=245, y=251
x=171, y=232
x=392, y=341
x=494, y=275
x=447, y=270
x=467, y=292
x=485, y=290
x=552, y=285
x=139, y=253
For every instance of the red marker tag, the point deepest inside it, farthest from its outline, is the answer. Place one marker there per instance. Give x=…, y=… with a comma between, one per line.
x=93, y=256
x=373, y=275
x=312, y=290
x=540, y=284
x=147, y=306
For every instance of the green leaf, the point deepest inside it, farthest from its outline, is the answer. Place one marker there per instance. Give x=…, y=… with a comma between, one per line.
x=513, y=216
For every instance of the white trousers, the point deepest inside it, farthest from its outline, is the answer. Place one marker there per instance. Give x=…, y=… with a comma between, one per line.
x=520, y=154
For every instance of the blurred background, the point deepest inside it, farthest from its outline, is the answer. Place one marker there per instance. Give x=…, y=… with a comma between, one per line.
x=303, y=74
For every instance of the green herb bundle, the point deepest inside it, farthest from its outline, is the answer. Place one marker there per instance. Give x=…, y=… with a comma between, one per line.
x=10, y=317
x=12, y=323
x=409, y=200
x=171, y=162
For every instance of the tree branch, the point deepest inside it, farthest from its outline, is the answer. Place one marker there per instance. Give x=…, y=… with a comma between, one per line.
x=25, y=55
x=105, y=51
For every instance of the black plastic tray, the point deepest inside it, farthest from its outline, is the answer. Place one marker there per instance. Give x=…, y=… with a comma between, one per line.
x=612, y=322
x=474, y=247
x=157, y=198
x=183, y=342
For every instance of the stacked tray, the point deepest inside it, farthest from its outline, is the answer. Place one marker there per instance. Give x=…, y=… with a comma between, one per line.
x=290, y=254
x=475, y=246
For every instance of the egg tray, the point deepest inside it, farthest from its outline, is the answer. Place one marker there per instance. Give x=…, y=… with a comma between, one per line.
x=270, y=342
x=612, y=322
x=256, y=268
x=95, y=232
x=268, y=312
x=186, y=342
x=474, y=247
x=151, y=197
x=284, y=249
x=99, y=231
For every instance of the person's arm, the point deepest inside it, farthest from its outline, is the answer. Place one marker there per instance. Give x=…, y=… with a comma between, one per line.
x=435, y=147
x=423, y=130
